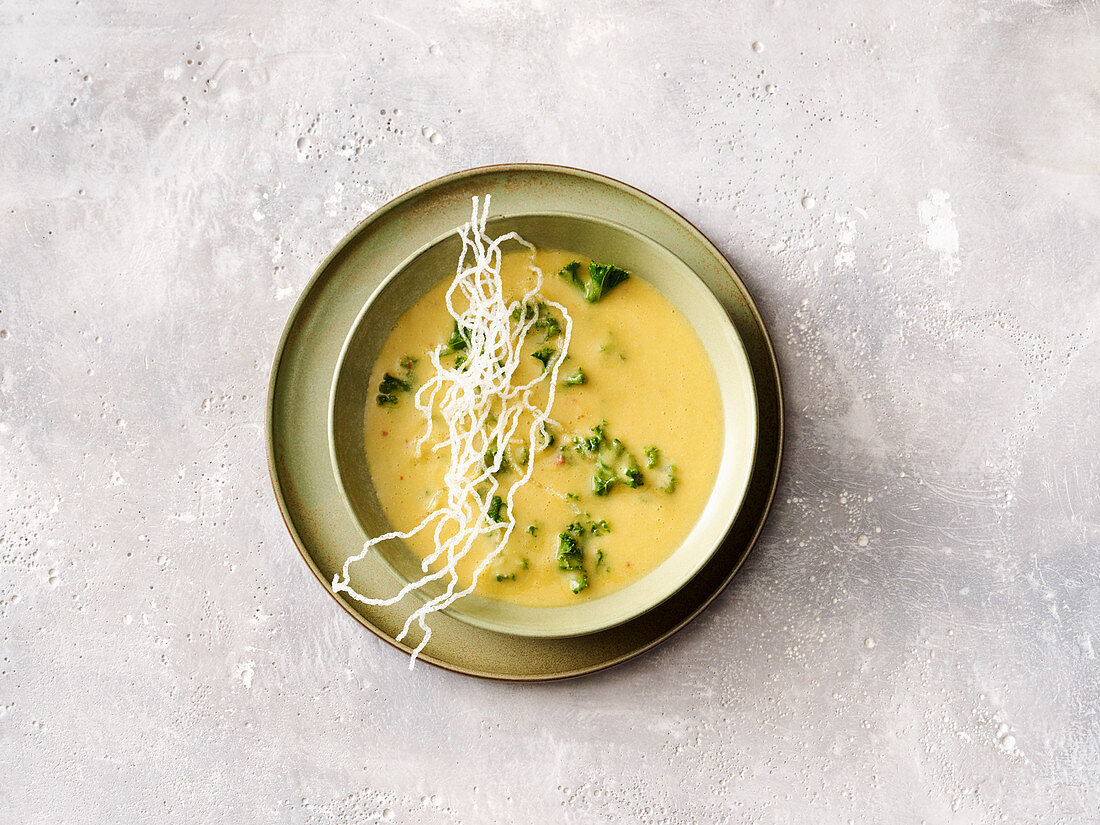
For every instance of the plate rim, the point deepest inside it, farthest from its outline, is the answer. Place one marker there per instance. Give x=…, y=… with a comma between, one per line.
x=633, y=192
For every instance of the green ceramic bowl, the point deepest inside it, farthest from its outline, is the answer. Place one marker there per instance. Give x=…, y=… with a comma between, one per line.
x=601, y=240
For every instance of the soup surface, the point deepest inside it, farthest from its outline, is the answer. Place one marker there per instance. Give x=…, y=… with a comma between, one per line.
x=650, y=399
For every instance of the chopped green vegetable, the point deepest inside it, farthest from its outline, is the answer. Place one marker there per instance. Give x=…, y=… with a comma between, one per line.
x=523, y=563
x=569, y=272
x=576, y=379
x=570, y=555
x=391, y=384
x=572, y=497
x=600, y=528
x=550, y=325
x=601, y=278
x=511, y=577
x=527, y=312
x=544, y=355
x=580, y=583
x=593, y=442
x=495, y=506
x=652, y=456
x=459, y=340
x=490, y=459
x=545, y=437
x=670, y=479
x=532, y=529
x=603, y=480
x=632, y=476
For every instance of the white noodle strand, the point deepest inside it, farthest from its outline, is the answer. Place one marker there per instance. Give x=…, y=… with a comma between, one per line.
x=481, y=409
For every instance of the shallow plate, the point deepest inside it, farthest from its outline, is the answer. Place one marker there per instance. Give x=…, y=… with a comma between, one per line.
x=305, y=482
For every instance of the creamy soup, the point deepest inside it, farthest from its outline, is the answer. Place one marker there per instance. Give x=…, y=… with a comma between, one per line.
x=637, y=439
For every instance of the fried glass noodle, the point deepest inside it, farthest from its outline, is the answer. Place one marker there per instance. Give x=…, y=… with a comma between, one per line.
x=481, y=405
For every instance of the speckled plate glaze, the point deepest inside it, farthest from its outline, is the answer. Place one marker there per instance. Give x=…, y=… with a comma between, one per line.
x=303, y=477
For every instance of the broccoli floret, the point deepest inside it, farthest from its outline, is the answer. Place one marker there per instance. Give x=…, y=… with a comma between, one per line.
x=532, y=530
x=511, y=577
x=493, y=511
x=576, y=379
x=652, y=456
x=580, y=583
x=668, y=485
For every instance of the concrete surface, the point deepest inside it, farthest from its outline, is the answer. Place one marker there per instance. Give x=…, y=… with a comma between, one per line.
x=912, y=191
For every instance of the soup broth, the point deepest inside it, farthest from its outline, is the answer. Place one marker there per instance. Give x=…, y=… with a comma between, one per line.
x=645, y=395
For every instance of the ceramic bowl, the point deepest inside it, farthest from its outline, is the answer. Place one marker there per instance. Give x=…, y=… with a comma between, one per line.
x=601, y=240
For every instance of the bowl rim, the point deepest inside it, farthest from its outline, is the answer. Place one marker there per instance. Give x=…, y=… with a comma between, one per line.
x=637, y=607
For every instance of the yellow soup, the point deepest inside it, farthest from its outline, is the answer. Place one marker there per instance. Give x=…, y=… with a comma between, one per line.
x=646, y=375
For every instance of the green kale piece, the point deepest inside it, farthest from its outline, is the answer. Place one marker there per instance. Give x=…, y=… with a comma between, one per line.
x=603, y=480
x=490, y=459
x=545, y=438
x=551, y=327
x=600, y=528
x=391, y=385
x=459, y=340
x=570, y=555
x=630, y=475
x=601, y=279
x=576, y=379
x=544, y=355
x=569, y=272
x=594, y=441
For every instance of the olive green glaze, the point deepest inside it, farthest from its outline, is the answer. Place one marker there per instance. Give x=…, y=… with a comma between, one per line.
x=305, y=483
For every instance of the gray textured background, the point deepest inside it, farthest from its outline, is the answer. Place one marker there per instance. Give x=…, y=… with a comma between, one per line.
x=911, y=191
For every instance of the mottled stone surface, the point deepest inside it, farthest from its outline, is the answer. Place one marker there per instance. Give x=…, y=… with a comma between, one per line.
x=910, y=189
